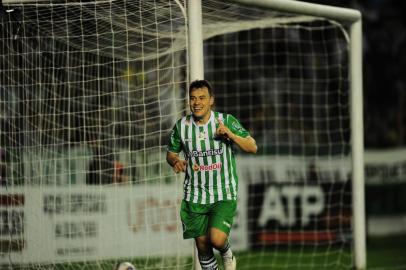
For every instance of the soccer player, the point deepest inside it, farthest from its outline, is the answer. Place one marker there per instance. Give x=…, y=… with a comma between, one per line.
x=210, y=187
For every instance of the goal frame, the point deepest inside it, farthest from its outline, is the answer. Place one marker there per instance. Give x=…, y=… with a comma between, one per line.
x=347, y=15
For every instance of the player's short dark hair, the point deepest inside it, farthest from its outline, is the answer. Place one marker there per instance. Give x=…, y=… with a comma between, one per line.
x=200, y=84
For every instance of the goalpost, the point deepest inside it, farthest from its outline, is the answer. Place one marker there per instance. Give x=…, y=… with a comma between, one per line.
x=91, y=89
x=343, y=15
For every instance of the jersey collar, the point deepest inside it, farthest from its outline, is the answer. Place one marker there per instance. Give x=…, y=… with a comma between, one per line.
x=201, y=125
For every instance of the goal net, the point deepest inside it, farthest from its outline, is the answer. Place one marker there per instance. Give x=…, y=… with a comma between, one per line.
x=287, y=79
x=89, y=93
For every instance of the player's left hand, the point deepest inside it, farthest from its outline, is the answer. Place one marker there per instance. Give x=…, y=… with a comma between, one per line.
x=223, y=132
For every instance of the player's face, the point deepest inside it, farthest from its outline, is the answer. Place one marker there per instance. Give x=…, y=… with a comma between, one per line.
x=200, y=103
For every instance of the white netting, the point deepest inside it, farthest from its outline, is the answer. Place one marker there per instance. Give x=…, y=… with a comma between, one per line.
x=287, y=80
x=89, y=91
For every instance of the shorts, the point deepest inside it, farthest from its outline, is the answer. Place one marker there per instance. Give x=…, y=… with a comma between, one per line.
x=198, y=218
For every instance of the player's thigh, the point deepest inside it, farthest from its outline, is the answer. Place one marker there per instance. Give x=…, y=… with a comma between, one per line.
x=222, y=215
x=194, y=219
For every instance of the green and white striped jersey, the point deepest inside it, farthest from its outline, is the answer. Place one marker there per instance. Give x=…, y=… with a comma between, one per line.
x=211, y=172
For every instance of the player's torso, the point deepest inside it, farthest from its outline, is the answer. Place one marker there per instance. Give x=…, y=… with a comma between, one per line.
x=210, y=174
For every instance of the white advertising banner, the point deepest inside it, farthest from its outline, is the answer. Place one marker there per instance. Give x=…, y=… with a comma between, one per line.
x=76, y=222
x=381, y=167
x=94, y=223
x=293, y=169
x=385, y=166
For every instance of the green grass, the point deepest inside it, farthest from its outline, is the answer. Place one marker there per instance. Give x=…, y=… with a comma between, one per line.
x=387, y=252
x=382, y=253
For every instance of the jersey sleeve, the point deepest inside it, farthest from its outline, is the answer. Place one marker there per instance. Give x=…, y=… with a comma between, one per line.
x=175, y=144
x=235, y=127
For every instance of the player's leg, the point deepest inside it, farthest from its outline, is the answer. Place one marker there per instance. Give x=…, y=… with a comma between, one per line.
x=205, y=253
x=221, y=220
x=195, y=225
x=219, y=241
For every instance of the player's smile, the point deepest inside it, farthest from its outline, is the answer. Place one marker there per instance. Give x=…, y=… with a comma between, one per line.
x=200, y=104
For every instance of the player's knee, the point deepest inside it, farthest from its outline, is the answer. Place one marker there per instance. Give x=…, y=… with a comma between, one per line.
x=218, y=243
x=218, y=240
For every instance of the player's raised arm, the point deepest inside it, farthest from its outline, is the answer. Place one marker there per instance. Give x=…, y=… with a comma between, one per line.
x=247, y=144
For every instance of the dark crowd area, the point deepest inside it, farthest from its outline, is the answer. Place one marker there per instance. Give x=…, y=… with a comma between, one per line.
x=384, y=65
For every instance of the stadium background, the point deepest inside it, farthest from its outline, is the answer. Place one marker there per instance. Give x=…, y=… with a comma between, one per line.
x=385, y=119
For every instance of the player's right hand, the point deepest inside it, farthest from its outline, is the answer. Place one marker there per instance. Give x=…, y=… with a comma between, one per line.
x=180, y=166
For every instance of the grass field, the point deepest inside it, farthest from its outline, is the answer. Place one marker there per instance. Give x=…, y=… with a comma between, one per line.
x=387, y=253
x=382, y=253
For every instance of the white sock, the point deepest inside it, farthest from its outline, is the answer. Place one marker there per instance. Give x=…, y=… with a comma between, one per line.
x=208, y=262
x=226, y=251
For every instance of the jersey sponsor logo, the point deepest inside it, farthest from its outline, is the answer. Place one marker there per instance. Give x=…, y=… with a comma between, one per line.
x=207, y=153
x=196, y=167
x=211, y=167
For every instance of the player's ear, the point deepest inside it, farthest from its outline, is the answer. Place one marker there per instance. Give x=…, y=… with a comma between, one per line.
x=211, y=100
